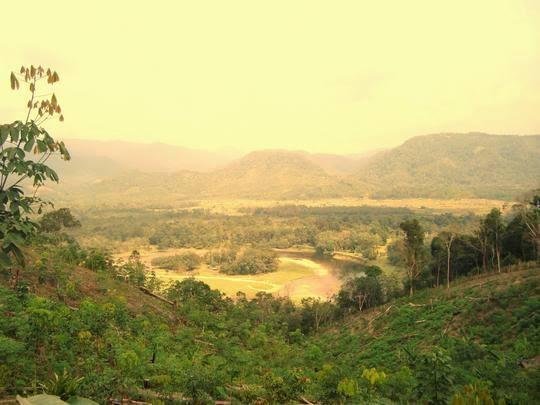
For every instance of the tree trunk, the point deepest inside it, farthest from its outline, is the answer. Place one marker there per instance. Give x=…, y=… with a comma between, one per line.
x=448, y=267
x=448, y=255
x=484, y=258
x=411, y=284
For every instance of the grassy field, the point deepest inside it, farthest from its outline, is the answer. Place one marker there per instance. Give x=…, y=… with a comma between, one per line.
x=464, y=205
x=296, y=278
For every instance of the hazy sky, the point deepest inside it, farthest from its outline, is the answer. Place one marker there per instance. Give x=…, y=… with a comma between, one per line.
x=335, y=76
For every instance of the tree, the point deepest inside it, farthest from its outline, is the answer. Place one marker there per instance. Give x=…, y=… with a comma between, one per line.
x=360, y=293
x=516, y=240
x=482, y=245
x=493, y=227
x=55, y=220
x=437, y=253
x=25, y=147
x=447, y=238
x=315, y=313
x=530, y=215
x=413, y=244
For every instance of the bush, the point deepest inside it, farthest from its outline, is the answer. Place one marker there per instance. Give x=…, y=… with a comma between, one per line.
x=252, y=261
x=185, y=261
x=360, y=293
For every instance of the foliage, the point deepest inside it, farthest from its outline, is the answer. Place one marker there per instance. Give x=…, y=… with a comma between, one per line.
x=267, y=349
x=252, y=261
x=18, y=142
x=442, y=166
x=186, y=261
x=63, y=385
x=55, y=220
x=413, y=250
x=360, y=293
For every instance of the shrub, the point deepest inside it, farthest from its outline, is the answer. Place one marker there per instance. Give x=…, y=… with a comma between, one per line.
x=252, y=261
x=185, y=261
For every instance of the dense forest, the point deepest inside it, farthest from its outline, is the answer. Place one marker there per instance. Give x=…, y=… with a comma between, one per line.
x=328, y=229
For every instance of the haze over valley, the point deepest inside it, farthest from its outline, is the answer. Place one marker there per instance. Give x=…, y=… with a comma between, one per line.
x=270, y=202
x=441, y=166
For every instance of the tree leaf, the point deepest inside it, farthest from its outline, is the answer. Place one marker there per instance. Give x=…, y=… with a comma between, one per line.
x=14, y=82
x=4, y=133
x=29, y=145
x=5, y=261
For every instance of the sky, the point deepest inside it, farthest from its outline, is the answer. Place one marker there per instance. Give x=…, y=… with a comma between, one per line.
x=322, y=76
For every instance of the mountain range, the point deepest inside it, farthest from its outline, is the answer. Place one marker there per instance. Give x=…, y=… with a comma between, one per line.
x=437, y=166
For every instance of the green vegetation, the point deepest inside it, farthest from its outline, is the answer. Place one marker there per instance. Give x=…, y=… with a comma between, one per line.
x=76, y=324
x=185, y=261
x=444, y=166
x=456, y=165
x=95, y=325
x=55, y=220
x=359, y=230
x=252, y=261
x=17, y=167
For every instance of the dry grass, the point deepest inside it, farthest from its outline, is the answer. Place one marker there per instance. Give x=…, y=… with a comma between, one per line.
x=478, y=206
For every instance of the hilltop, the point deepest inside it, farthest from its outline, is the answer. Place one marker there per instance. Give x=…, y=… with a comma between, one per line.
x=270, y=174
x=450, y=165
x=471, y=165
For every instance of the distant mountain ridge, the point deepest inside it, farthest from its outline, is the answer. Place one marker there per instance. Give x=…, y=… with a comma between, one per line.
x=446, y=165
x=146, y=157
x=436, y=166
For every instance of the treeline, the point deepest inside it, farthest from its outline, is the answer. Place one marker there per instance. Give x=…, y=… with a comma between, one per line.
x=497, y=242
x=232, y=260
x=186, y=261
x=328, y=229
x=247, y=261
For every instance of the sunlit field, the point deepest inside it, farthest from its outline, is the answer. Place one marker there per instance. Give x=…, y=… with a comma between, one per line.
x=463, y=205
x=295, y=278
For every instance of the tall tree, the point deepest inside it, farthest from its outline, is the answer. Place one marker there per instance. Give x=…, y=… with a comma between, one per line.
x=493, y=227
x=447, y=239
x=438, y=253
x=25, y=147
x=414, y=243
x=529, y=211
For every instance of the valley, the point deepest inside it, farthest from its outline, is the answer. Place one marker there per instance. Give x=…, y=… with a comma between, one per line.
x=270, y=204
x=296, y=277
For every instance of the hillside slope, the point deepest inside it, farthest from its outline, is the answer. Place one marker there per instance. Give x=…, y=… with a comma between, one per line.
x=456, y=165
x=207, y=348
x=435, y=166
x=273, y=174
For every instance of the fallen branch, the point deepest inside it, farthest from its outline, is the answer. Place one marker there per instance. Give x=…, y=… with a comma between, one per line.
x=150, y=293
x=377, y=316
x=454, y=314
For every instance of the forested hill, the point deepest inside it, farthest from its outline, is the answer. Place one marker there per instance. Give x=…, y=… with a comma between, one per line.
x=450, y=165
x=436, y=166
x=273, y=174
